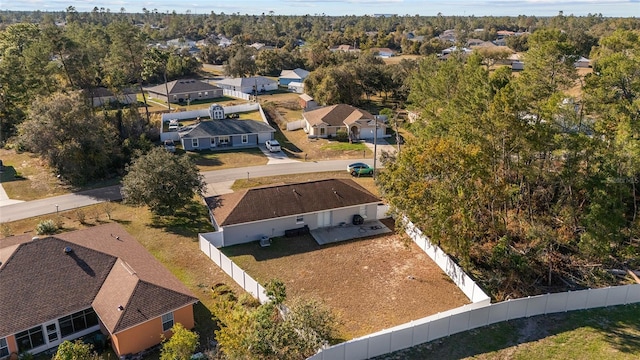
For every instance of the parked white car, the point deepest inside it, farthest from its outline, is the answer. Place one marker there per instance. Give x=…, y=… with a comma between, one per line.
x=272, y=145
x=169, y=145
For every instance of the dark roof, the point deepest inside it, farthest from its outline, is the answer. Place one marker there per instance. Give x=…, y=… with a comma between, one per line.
x=287, y=200
x=226, y=127
x=182, y=87
x=40, y=282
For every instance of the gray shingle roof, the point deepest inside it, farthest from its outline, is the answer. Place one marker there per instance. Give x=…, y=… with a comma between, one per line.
x=226, y=127
x=182, y=86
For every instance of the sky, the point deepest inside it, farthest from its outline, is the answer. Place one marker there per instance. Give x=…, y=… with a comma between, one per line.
x=608, y=8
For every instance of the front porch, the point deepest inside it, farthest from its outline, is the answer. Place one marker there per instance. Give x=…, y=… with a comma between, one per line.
x=343, y=232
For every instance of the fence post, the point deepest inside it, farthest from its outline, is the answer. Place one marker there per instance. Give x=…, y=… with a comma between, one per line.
x=626, y=296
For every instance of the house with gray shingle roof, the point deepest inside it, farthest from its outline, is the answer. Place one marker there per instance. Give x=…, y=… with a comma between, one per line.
x=226, y=133
x=99, y=279
x=184, y=90
x=313, y=204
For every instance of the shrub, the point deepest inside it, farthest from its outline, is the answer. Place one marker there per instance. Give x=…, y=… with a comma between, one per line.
x=341, y=135
x=46, y=227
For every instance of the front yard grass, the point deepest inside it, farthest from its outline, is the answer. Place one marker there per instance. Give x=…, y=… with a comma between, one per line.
x=370, y=284
x=344, y=146
x=208, y=160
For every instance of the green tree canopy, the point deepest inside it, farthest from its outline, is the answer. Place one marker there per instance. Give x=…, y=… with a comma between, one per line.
x=65, y=131
x=271, y=331
x=162, y=181
x=181, y=345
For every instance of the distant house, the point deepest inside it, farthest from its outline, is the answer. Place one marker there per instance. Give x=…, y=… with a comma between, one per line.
x=517, y=65
x=102, y=96
x=222, y=134
x=383, y=52
x=181, y=43
x=344, y=48
x=248, y=85
x=184, y=90
x=97, y=281
x=295, y=75
x=296, y=87
x=582, y=62
x=306, y=101
x=327, y=121
x=314, y=204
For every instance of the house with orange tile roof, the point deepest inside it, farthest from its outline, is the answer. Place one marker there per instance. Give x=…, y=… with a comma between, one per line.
x=100, y=279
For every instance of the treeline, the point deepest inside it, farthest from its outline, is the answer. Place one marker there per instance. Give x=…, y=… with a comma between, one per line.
x=531, y=188
x=48, y=74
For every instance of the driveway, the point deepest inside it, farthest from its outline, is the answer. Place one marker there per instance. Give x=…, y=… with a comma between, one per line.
x=276, y=157
x=382, y=145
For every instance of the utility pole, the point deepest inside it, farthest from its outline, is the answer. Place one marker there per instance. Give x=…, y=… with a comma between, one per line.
x=375, y=146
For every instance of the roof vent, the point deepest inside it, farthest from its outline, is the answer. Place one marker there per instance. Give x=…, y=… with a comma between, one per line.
x=68, y=250
x=120, y=308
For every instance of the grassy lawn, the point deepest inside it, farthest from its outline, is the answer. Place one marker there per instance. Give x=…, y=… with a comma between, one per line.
x=223, y=159
x=365, y=182
x=369, y=283
x=27, y=177
x=344, y=146
x=607, y=333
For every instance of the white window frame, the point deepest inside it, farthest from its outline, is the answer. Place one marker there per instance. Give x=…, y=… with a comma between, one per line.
x=4, y=346
x=224, y=140
x=194, y=143
x=245, y=139
x=300, y=219
x=167, y=321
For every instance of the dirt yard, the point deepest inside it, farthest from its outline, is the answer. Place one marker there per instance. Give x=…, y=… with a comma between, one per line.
x=371, y=284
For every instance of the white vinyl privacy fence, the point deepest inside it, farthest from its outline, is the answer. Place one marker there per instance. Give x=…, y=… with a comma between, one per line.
x=236, y=94
x=295, y=125
x=208, y=244
x=473, y=316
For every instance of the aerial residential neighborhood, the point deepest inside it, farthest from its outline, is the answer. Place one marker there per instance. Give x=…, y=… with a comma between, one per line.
x=355, y=184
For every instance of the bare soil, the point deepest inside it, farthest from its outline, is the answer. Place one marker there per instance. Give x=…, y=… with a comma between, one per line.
x=370, y=284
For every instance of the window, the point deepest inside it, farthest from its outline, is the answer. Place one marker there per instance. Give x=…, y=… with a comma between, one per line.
x=224, y=140
x=77, y=322
x=206, y=93
x=167, y=321
x=194, y=143
x=300, y=219
x=4, y=348
x=199, y=94
x=322, y=131
x=245, y=139
x=30, y=339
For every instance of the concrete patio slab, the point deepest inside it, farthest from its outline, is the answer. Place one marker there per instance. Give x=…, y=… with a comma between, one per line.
x=345, y=232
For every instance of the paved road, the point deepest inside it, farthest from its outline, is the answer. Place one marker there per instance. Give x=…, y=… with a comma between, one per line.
x=218, y=181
